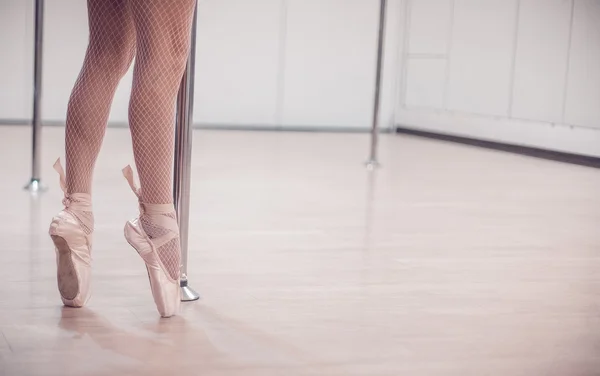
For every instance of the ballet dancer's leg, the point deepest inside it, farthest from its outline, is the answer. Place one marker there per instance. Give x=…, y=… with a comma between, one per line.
x=110, y=50
x=163, y=44
x=109, y=54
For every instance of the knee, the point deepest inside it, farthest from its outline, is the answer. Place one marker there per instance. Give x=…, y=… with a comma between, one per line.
x=168, y=55
x=160, y=71
x=180, y=51
x=112, y=57
x=171, y=61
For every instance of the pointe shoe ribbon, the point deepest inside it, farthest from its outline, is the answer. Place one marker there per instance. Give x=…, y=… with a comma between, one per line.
x=155, y=211
x=67, y=223
x=72, y=201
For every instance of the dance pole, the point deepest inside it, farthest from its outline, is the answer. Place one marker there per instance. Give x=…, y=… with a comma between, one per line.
x=372, y=162
x=35, y=184
x=183, y=161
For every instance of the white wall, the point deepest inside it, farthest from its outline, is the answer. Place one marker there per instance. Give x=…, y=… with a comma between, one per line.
x=524, y=72
x=16, y=62
x=276, y=63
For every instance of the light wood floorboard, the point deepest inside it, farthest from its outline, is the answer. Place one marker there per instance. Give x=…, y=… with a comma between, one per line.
x=448, y=261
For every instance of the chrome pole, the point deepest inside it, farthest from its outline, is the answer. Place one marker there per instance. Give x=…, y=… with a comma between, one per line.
x=183, y=161
x=372, y=162
x=35, y=184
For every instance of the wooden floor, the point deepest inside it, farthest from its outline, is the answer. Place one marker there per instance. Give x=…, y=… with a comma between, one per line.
x=450, y=260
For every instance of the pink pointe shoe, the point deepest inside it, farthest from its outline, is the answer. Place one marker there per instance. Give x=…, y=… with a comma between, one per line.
x=73, y=245
x=165, y=289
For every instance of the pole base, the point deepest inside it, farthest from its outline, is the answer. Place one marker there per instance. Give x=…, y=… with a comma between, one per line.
x=35, y=186
x=372, y=164
x=187, y=293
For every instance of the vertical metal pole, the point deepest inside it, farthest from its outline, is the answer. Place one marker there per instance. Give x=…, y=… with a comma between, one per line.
x=183, y=161
x=372, y=162
x=35, y=184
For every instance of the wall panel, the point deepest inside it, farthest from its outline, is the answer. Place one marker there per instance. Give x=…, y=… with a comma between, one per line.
x=583, y=90
x=541, y=60
x=481, y=56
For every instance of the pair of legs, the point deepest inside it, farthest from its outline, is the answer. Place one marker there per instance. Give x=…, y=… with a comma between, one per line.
x=157, y=34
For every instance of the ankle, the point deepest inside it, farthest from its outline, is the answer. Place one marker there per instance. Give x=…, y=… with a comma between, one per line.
x=159, y=224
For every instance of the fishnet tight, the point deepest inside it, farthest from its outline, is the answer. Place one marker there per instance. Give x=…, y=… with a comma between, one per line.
x=160, y=31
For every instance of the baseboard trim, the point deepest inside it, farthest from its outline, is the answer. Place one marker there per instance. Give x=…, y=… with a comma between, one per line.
x=581, y=160
x=223, y=127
